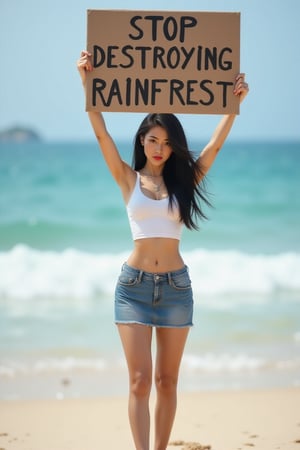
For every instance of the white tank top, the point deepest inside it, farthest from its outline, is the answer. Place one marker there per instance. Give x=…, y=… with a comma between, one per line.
x=152, y=218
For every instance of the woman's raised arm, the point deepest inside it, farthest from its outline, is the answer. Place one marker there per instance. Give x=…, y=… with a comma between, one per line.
x=210, y=151
x=120, y=170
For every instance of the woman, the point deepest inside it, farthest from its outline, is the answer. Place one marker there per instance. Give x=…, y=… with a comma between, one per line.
x=161, y=194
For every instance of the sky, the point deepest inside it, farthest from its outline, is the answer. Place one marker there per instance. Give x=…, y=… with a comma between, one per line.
x=41, y=40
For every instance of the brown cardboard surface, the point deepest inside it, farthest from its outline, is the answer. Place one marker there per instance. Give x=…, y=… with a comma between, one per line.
x=163, y=61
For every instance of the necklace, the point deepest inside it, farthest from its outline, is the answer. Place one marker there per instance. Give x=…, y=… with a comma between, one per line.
x=156, y=187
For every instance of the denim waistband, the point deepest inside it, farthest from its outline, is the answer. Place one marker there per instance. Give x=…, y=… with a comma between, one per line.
x=154, y=275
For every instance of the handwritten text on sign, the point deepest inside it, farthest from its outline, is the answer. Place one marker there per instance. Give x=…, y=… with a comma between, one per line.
x=163, y=61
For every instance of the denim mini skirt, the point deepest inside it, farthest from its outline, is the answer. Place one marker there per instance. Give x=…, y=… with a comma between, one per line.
x=154, y=299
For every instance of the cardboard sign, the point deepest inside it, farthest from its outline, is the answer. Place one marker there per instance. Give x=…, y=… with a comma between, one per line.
x=163, y=61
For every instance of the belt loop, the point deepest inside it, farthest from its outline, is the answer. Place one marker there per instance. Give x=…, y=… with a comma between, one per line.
x=140, y=275
x=170, y=278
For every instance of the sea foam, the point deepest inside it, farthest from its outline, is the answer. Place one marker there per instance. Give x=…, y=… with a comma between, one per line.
x=205, y=363
x=26, y=273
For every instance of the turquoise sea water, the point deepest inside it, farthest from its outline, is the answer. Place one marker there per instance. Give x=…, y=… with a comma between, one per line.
x=64, y=235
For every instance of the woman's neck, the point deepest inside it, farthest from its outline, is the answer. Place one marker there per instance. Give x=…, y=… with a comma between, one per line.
x=151, y=171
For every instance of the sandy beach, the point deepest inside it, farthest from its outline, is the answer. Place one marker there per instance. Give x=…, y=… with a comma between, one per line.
x=228, y=420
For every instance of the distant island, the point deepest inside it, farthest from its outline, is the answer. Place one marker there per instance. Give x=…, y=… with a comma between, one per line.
x=19, y=134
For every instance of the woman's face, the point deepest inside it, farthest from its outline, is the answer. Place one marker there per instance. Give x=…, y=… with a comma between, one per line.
x=156, y=144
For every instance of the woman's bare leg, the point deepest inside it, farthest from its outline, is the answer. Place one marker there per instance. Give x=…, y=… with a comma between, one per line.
x=170, y=346
x=136, y=341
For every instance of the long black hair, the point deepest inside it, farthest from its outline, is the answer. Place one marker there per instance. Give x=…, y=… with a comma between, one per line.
x=181, y=173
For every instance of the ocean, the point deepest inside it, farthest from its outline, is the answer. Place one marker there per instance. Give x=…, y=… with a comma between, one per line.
x=64, y=236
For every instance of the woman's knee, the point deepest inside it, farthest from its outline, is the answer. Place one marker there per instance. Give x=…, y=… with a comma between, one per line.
x=140, y=384
x=166, y=383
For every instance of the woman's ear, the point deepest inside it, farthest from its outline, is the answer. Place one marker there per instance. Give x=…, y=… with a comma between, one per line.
x=142, y=140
